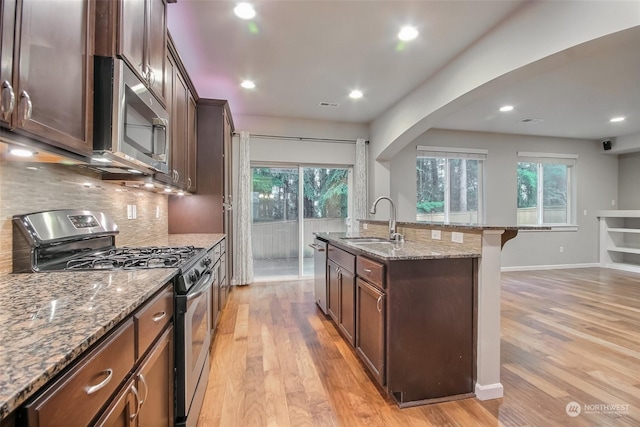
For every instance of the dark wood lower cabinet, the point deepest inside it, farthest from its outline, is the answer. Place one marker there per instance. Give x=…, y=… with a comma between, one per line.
x=333, y=300
x=347, y=286
x=124, y=409
x=370, y=323
x=155, y=384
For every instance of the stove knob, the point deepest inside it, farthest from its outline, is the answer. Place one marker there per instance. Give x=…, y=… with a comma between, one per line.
x=193, y=277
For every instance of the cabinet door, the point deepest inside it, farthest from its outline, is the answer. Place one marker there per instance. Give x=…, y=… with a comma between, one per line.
x=123, y=412
x=155, y=384
x=179, y=143
x=156, y=45
x=227, y=166
x=347, y=316
x=7, y=27
x=215, y=297
x=192, y=145
x=131, y=36
x=370, y=337
x=54, y=89
x=333, y=302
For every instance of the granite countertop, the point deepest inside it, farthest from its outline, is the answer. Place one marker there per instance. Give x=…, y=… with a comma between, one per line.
x=459, y=226
x=398, y=251
x=48, y=319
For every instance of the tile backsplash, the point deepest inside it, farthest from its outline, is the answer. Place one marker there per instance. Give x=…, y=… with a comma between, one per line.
x=32, y=187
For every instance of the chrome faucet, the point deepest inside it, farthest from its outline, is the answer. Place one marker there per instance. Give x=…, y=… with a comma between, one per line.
x=393, y=235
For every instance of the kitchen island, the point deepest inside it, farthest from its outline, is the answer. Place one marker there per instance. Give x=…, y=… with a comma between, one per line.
x=463, y=262
x=49, y=320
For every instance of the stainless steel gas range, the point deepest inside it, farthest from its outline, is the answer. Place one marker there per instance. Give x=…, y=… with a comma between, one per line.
x=80, y=240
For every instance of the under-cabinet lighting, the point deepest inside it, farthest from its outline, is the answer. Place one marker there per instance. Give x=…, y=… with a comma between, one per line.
x=133, y=171
x=21, y=152
x=100, y=160
x=180, y=193
x=149, y=185
x=167, y=190
x=244, y=11
x=617, y=119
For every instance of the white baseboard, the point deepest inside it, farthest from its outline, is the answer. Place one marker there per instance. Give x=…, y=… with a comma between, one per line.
x=550, y=267
x=490, y=391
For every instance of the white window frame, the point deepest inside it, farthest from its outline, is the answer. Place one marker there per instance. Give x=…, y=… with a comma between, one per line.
x=449, y=153
x=571, y=161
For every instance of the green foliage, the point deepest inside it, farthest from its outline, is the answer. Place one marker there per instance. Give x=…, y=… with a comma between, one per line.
x=430, y=207
x=527, y=184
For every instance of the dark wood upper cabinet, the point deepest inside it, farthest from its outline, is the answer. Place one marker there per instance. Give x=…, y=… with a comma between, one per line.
x=136, y=31
x=192, y=145
x=47, y=72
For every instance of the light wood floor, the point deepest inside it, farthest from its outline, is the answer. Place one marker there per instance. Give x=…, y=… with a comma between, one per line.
x=567, y=335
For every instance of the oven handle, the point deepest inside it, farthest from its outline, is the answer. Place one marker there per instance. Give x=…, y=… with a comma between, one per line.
x=201, y=287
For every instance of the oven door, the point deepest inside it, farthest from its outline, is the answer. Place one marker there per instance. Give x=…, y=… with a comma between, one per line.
x=194, y=323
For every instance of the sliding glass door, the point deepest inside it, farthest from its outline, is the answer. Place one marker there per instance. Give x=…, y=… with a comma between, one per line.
x=289, y=205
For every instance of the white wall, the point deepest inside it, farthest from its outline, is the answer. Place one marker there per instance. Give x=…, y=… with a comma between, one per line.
x=597, y=185
x=544, y=28
x=629, y=181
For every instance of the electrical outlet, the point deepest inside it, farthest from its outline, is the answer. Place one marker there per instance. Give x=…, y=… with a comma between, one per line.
x=585, y=212
x=157, y=212
x=457, y=237
x=561, y=249
x=134, y=208
x=129, y=211
x=613, y=202
x=436, y=235
x=364, y=226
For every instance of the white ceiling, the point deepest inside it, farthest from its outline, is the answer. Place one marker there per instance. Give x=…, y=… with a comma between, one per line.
x=301, y=53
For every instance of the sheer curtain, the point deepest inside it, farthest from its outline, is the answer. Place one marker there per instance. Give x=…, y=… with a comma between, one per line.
x=244, y=252
x=360, y=183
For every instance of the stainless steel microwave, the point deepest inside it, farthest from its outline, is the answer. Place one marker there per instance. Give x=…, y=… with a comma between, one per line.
x=130, y=126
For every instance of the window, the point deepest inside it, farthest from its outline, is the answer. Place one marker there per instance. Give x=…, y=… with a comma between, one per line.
x=449, y=184
x=546, y=192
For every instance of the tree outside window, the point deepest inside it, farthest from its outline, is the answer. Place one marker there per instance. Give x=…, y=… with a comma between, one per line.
x=449, y=187
x=544, y=189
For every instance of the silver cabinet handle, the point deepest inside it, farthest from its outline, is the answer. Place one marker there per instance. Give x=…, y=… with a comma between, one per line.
x=188, y=183
x=138, y=402
x=92, y=389
x=29, y=108
x=8, y=100
x=146, y=388
x=367, y=270
x=378, y=306
x=177, y=176
x=318, y=247
x=158, y=317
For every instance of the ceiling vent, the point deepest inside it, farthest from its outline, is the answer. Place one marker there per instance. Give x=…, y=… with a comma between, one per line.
x=531, y=120
x=329, y=104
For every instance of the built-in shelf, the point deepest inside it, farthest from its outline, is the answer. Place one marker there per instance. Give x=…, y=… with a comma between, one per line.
x=620, y=239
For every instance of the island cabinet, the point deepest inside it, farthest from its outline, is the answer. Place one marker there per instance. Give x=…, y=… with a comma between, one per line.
x=412, y=320
x=431, y=312
x=46, y=82
x=370, y=316
x=342, y=285
x=126, y=379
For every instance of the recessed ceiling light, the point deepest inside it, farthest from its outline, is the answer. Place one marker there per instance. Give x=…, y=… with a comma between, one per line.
x=355, y=94
x=21, y=152
x=244, y=11
x=248, y=84
x=407, y=33
x=506, y=108
x=617, y=119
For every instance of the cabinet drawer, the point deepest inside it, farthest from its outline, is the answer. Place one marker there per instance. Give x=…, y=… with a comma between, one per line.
x=77, y=397
x=223, y=246
x=216, y=252
x=342, y=258
x=152, y=319
x=371, y=271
